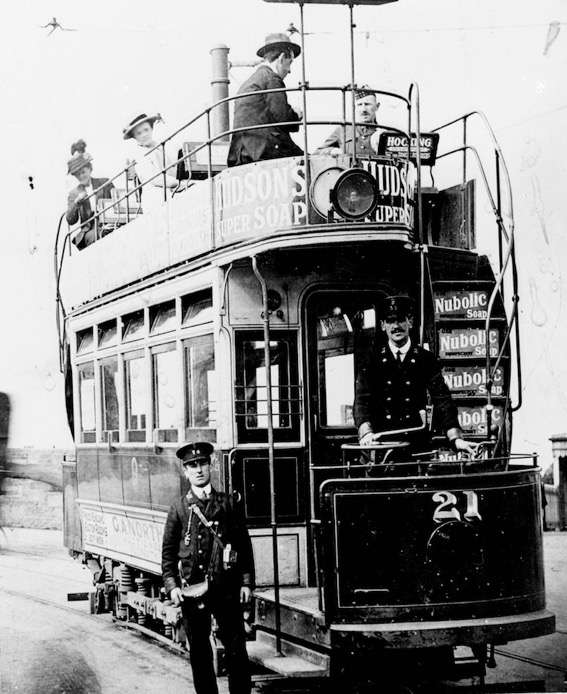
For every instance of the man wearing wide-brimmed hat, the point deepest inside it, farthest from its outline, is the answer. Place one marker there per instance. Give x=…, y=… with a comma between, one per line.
x=272, y=110
x=81, y=203
x=342, y=140
x=393, y=383
x=208, y=569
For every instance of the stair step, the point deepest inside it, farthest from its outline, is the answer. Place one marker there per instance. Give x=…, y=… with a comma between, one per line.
x=295, y=661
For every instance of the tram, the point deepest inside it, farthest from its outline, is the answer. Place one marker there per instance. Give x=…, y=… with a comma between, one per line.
x=237, y=313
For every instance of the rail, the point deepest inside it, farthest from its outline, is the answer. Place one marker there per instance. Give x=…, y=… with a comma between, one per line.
x=506, y=255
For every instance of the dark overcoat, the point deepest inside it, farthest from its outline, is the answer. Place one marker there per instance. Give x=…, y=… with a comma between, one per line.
x=228, y=521
x=344, y=140
x=83, y=210
x=389, y=395
x=262, y=109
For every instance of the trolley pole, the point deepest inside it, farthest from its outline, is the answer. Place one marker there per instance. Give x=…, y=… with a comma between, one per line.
x=271, y=461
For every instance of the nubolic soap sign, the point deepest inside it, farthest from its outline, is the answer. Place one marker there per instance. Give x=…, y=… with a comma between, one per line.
x=395, y=186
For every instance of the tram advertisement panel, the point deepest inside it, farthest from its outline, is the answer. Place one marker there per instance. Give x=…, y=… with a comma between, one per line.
x=461, y=303
x=431, y=546
x=455, y=343
x=257, y=199
x=473, y=419
x=126, y=534
x=395, y=188
x=471, y=380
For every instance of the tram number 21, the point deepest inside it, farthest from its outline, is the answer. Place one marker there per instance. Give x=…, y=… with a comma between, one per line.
x=447, y=503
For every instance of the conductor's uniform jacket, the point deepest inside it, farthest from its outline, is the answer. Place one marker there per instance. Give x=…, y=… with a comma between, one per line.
x=389, y=395
x=262, y=109
x=228, y=522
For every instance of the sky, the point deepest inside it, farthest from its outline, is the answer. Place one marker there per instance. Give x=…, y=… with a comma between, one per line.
x=108, y=61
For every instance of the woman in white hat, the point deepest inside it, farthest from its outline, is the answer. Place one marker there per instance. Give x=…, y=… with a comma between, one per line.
x=148, y=163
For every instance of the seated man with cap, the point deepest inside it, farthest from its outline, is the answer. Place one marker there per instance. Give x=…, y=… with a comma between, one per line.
x=394, y=381
x=265, y=109
x=341, y=140
x=208, y=569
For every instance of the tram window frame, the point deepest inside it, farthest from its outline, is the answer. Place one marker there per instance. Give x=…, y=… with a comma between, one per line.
x=282, y=433
x=202, y=303
x=87, y=435
x=132, y=327
x=107, y=334
x=85, y=341
x=164, y=434
x=192, y=430
x=138, y=434
x=107, y=431
x=163, y=317
x=372, y=338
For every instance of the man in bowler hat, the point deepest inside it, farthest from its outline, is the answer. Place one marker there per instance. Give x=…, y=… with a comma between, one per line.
x=208, y=569
x=274, y=141
x=393, y=383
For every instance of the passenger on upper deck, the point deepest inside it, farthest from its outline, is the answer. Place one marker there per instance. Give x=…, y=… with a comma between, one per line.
x=262, y=109
x=81, y=205
x=149, y=163
x=340, y=141
x=393, y=383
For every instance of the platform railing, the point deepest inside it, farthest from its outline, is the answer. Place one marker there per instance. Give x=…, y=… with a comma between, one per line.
x=507, y=267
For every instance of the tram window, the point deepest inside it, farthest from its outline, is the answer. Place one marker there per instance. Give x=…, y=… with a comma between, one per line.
x=165, y=380
x=107, y=333
x=109, y=396
x=136, y=391
x=85, y=341
x=197, y=308
x=87, y=402
x=251, y=396
x=133, y=326
x=200, y=384
x=343, y=332
x=162, y=317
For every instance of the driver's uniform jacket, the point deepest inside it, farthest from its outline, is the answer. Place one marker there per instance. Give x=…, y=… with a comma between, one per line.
x=389, y=395
x=195, y=547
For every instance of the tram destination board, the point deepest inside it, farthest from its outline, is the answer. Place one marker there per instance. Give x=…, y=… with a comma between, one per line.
x=396, y=144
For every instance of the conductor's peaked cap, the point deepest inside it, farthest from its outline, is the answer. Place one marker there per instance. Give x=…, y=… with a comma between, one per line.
x=278, y=42
x=192, y=452
x=396, y=307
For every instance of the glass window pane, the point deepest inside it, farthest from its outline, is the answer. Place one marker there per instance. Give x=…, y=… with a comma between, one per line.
x=197, y=308
x=162, y=317
x=107, y=334
x=85, y=341
x=166, y=407
x=255, y=384
x=109, y=395
x=343, y=331
x=136, y=398
x=133, y=326
x=200, y=383
x=87, y=402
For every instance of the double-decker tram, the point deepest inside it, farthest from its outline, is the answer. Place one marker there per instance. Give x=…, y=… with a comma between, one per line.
x=238, y=313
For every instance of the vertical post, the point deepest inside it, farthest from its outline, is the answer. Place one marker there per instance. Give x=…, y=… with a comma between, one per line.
x=211, y=179
x=219, y=83
x=271, y=460
x=164, y=165
x=352, y=82
x=304, y=102
x=465, y=150
x=498, y=221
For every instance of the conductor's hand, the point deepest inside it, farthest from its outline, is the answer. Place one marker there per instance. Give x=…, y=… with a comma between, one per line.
x=176, y=596
x=462, y=446
x=367, y=439
x=245, y=595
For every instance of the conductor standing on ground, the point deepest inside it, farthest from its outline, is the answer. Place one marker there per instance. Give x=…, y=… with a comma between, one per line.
x=208, y=569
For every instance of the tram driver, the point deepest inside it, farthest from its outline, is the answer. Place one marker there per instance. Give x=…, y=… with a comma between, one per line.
x=393, y=382
x=275, y=141
x=341, y=140
x=208, y=569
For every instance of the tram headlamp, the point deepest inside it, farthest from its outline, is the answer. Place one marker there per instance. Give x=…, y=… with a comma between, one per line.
x=355, y=195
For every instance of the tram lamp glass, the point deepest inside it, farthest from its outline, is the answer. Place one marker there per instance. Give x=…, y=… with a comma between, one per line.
x=274, y=300
x=355, y=194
